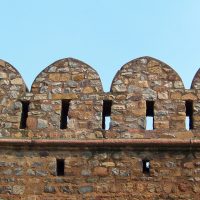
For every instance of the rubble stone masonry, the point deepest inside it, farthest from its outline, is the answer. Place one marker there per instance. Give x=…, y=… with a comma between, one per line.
x=54, y=143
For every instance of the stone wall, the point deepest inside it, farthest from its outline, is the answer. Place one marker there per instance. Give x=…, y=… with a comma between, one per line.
x=99, y=174
x=136, y=83
x=53, y=143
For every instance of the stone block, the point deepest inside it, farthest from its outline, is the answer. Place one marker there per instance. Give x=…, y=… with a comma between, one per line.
x=64, y=96
x=100, y=171
x=57, y=77
x=85, y=189
x=18, y=189
x=17, y=81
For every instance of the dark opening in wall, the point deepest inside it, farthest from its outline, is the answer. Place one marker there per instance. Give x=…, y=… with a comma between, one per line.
x=64, y=114
x=24, y=114
x=149, y=115
x=189, y=115
x=107, y=104
x=146, y=166
x=60, y=167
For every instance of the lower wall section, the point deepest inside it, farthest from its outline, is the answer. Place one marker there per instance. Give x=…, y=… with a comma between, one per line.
x=99, y=174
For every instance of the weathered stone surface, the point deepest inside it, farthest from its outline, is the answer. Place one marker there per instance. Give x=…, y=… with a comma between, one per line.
x=100, y=171
x=18, y=189
x=85, y=189
x=64, y=96
x=49, y=189
x=17, y=81
x=88, y=90
x=59, y=77
x=70, y=92
x=42, y=124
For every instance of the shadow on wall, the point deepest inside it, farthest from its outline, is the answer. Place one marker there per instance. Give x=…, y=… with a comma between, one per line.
x=68, y=95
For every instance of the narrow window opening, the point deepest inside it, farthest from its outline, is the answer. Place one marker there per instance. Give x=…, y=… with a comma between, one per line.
x=107, y=104
x=24, y=114
x=189, y=115
x=149, y=115
x=60, y=169
x=146, y=166
x=64, y=114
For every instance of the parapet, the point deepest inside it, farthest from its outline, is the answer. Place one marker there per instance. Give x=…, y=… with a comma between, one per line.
x=67, y=101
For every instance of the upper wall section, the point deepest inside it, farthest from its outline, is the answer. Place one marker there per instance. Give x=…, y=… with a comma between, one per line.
x=67, y=76
x=196, y=81
x=11, y=80
x=11, y=90
x=67, y=101
x=143, y=73
x=74, y=82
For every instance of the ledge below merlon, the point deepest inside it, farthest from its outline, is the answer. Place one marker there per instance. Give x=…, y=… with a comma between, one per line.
x=132, y=143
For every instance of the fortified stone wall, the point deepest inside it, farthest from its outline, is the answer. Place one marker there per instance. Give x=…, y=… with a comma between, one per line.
x=54, y=144
x=78, y=87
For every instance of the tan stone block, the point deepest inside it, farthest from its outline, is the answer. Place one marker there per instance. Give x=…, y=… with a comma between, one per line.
x=196, y=118
x=121, y=97
x=64, y=96
x=137, y=136
x=188, y=165
x=18, y=189
x=17, y=81
x=85, y=115
x=18, y=135
x=88, y=90
x=117, y=117
x=118, y=107
x=184, y=135
x=78, y=77
x=31, y=123
x=161, y=125
x=139, y=112
x=40, y=96
x=167, y=187
x=89, y=102
x=132, y=105
x=57, y=77
x=3, y=75
x=163, y=95
x=143, y=84
x=154, y=67
x=153, y=63
x=178, y=118
x=176, y=95
x=108, y=164
x=182, y=113
x=140, y=187
x=178, y=84
x=14, y=118
x=189, y=96
x=100, y=171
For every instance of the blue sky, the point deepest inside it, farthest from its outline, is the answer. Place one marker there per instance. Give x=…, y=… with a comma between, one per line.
x=103, y=33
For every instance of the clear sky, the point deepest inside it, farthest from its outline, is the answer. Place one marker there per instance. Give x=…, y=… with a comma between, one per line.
x=103, y=33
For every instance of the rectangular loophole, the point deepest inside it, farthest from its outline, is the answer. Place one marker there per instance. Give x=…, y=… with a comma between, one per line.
x=60, y=167
x=107, y=104
x=64, y=114
x=189, y=115
x=149, y=115
x=146, y=166
x=24, y=114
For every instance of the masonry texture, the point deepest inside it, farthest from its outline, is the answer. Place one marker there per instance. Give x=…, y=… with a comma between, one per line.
x=54, y=144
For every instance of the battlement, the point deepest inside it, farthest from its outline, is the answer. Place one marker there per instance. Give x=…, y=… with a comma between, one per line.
x=56, y=144
x=67, y=101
